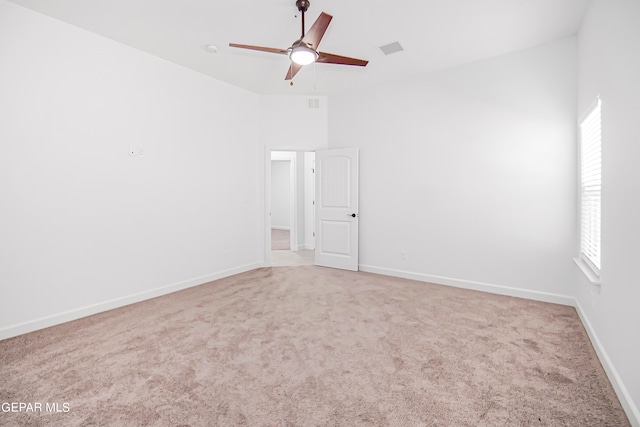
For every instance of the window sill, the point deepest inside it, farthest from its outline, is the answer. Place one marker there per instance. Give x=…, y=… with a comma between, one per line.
x=591, y=275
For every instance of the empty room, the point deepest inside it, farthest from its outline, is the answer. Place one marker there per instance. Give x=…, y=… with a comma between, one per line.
x=457, y=232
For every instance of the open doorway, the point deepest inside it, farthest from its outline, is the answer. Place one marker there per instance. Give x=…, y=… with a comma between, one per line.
x=291, y=217
x=282, y=202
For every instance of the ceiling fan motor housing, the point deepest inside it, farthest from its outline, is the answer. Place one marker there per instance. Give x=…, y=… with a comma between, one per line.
x=303, y=5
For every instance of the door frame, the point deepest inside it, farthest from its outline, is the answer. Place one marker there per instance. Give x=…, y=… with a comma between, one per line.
x=267, y=194
x=287, y=156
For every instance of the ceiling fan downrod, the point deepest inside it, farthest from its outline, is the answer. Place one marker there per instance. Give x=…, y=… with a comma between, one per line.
x=303, y=6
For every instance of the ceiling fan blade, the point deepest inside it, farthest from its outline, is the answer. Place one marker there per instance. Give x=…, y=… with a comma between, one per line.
x=260, y=48
x=293, y=70
x=317, y=30
x=330, y=58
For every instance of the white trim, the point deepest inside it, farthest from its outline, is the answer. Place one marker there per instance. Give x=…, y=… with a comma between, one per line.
x=309, y=185
x=473, y=285
x=278, y=227
x=283, y=155
x=67, y=316
x=587, y=270
x=626, y=401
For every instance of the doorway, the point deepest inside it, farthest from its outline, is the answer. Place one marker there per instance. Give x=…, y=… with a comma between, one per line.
x=282, y=203
x=290, y=211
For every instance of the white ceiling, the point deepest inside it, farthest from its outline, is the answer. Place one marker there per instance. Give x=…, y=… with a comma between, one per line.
x=435, y=34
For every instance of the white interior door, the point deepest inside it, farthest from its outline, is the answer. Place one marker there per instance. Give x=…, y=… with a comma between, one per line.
x=337, y=208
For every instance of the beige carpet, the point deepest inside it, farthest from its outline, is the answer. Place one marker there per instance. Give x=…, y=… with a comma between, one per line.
x=280, y=240
x=292, y=258
x=309, y=346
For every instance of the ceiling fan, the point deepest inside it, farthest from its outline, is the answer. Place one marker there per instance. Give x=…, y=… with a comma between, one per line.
x=304, y=50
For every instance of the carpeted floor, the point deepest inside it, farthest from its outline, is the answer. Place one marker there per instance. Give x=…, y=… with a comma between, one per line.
x=280, y=240
x=292, y=258
x=310, y=346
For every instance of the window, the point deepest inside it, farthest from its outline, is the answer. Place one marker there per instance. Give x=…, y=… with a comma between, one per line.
x=590, y=188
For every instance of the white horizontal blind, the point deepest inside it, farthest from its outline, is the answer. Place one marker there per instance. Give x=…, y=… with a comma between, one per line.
x=591, y=187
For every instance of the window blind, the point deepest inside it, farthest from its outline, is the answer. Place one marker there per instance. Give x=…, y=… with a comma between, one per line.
x=591, y=187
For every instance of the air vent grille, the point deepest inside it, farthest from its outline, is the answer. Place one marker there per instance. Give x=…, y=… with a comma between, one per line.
x=390, y=48
x=313, y=103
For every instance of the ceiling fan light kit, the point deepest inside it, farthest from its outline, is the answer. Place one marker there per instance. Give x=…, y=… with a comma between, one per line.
x=304, y=51
x=302, y=54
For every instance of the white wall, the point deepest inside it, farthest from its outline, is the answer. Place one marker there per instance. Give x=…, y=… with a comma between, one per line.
x=83, y=225
x=471, y=172
x=281, y=203
x=288, y=124
x=609, y=66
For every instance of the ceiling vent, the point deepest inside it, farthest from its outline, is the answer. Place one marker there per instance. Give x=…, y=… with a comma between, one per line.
x=390, y=48
x=313, y=103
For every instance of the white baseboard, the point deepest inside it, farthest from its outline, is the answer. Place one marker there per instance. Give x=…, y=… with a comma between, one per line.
x=67, y=316
x=618, y=385
x=281, y=227
x=475, y=286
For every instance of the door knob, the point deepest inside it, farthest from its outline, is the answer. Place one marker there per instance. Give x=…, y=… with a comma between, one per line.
x=353, y=215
